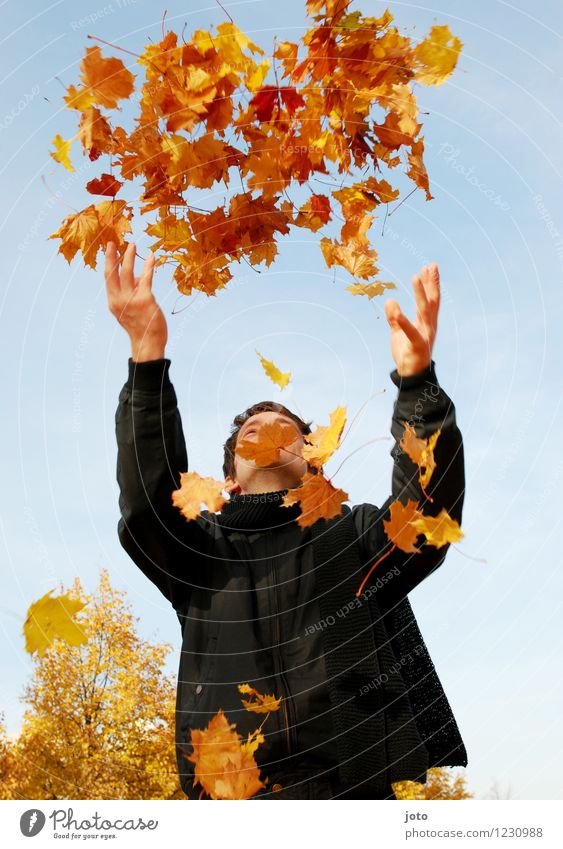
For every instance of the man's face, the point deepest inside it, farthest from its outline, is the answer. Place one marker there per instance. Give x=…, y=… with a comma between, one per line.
x=287, y=472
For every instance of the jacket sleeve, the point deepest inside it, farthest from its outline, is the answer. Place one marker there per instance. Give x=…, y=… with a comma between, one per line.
x=151, y=453
x=425, y=406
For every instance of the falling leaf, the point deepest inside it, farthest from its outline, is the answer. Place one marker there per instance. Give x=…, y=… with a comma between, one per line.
x=437, y=56
x=80, y=98
x=107, y=80
x=278, y=377
x=356, y=258
x=399, y=528
x=421, y=451
x=261, y=703
x=370, y=289
x=224, y=766
x=90, y=230
x=106, y=185
x=318, y=499
x=314, y=213
x=62, y=150
x=50, y=618
x=272, y=436
x=325, y=439
x=196, y=490
x=438, y=530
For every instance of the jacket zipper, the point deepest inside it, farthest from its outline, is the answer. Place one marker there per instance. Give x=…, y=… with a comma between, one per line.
x=286, y=699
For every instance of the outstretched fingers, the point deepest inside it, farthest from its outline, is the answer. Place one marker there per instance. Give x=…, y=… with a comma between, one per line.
x=144, y=282
x=111, y=269
x=431, y=281
x=398, y=320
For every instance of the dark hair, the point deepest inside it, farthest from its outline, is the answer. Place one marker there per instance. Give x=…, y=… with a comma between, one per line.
x=238, y=421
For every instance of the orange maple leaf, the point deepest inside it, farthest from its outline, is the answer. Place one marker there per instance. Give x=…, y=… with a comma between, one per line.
x=421, y=452
x=196, y=490
x=107, y=80
x=399, y=528
x=438, y=530
x=223, y=765
x=105, y=185
x=264, y=450
x=93, y=228
x=318, y=499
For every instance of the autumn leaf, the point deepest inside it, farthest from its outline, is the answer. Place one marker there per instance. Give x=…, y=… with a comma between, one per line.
x=421, y=452
x=224, y=766
x=438, y=530
x=269, y=97
x=50, y=618
x=62, y=150
x=318, y=499
x=258, y=703
x=95, y=133
x=272, y=436
x=278, y=377
x=437, y=56
x=399, y=527
x=107, y=80
x=90, y=230
x=196, y=490
x=325, y=439
x=356, y=258
x=370, y=289
x=314, y=213
x=105, y=185
x=79, y=99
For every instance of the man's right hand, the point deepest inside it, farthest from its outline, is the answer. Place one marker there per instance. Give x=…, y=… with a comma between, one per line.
x=131, y=301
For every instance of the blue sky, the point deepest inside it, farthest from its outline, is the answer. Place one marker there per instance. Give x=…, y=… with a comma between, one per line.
x=494, y=155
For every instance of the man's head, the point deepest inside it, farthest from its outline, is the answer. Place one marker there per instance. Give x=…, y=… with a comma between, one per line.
x=244, y=476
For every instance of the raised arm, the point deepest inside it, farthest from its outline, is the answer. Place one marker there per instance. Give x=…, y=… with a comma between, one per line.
x=151, y=449
x=422, y=403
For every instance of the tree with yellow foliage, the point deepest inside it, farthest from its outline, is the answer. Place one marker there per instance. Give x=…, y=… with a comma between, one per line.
x=441, y=783
x=99, y=716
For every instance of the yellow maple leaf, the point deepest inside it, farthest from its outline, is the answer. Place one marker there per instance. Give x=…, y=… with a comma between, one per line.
x=355, y=257
x=261, y=703
x=80, y=98
x=62, y=150
x=370, y=289
x=50, y=618
x=194, y=491
x=280, y=378
x=324, y=441
x=437, y=56
x=438, y=530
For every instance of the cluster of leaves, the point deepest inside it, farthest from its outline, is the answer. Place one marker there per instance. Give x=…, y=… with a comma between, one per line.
x=340, y=103
x=224, y=766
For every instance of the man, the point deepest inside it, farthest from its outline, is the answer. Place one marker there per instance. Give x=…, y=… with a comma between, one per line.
x=262, y=601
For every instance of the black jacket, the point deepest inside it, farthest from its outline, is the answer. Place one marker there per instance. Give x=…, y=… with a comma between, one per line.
x=246, y=602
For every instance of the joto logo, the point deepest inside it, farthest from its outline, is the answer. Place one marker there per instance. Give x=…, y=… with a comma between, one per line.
x=31, y=822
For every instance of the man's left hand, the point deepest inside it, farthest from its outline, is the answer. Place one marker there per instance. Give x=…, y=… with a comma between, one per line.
x=412, y=342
